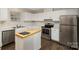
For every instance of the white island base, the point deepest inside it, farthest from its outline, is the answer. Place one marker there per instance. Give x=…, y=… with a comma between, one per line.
x=32, y=42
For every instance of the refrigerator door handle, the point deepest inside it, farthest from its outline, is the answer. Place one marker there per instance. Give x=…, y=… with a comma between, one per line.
x=60, y=30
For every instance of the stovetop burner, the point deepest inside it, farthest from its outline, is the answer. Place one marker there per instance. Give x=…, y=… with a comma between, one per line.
x=49, y=25
x=24, y=33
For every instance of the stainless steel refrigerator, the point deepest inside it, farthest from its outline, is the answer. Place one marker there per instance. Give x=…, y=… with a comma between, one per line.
x=68, y=30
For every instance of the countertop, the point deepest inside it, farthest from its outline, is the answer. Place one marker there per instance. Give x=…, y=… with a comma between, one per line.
x=5, y=28
x=31, y=32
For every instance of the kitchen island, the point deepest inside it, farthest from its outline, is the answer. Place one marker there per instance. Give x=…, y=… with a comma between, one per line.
x=28, y=39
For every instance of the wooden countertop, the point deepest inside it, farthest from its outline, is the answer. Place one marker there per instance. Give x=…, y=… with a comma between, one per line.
x=31, y=32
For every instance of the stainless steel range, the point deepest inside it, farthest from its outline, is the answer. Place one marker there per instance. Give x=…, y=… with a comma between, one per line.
x=46, y=33
x=46, y=30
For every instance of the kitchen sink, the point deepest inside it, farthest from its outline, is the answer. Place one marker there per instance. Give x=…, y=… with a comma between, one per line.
x=24, y=33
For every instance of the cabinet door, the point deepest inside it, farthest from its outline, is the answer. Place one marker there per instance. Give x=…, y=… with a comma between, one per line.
x=47, y=15
x=4, y=14
x=37, y=40
x=55, y=34
x=38, y=17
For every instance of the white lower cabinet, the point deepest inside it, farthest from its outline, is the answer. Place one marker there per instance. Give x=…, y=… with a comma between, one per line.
x=55, y=34
x=37, y=41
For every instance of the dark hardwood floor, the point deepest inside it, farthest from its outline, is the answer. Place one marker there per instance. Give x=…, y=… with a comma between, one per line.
x=10, y=46
x=45, y=45
x=53, y=45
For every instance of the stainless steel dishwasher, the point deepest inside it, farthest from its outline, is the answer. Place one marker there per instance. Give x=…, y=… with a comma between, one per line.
x=8, y=36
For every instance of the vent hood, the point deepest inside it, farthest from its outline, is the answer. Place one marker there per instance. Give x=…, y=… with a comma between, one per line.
x=48, y=20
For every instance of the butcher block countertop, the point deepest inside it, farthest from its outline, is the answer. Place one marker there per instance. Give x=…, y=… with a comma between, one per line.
x=31, y=32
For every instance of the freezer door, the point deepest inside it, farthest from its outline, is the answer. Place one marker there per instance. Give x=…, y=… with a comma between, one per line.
x=68, y=20
x=66, y=35
x=75, y=43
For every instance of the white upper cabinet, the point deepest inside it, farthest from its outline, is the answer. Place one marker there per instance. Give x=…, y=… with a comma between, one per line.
x=42, y=16
x=38, y=17
x=4, y=14
x=48, y=15
x=15, y=16
x=48, y=9
x=58, y=13
x=25, y=16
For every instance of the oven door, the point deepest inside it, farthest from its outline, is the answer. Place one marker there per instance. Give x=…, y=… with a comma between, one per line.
x=46, y=33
